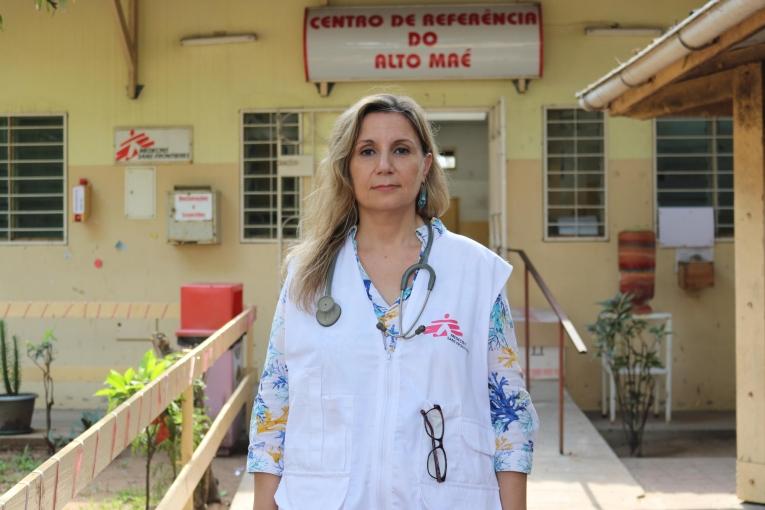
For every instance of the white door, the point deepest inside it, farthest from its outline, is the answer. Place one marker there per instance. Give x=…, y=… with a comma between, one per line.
x=497, y=179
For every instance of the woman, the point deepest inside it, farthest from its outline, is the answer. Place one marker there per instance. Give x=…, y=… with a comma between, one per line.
x=386, y=402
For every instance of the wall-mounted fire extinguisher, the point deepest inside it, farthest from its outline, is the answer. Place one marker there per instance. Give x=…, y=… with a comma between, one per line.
x=81, y=201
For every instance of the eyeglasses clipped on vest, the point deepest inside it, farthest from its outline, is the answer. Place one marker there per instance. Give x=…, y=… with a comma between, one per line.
x=434, y=426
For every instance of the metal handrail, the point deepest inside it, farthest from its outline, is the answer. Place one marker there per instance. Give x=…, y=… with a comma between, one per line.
x=565, y=328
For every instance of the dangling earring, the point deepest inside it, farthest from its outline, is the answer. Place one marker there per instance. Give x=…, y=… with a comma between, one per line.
x=422, y=198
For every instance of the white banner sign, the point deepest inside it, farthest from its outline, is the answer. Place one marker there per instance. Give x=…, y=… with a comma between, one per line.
x=152, y=144
x=193, y=207
x=423, y=42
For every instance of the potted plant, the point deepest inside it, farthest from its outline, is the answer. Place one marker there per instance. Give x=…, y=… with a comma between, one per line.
x=41, y=355
x=630, y=355
x=16, y=408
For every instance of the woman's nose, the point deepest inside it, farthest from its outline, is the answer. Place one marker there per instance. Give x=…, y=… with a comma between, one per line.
x=384, y=162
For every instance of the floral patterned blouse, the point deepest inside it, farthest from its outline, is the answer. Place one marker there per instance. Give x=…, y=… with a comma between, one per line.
x=513, y=415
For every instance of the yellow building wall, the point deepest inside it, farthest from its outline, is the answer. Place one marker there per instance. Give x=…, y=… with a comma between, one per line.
x=72, y=62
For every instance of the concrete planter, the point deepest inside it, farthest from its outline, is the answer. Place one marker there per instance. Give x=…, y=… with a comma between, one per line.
x=16, y=413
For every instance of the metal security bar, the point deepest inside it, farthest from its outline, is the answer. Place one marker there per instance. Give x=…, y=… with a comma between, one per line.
x=32, y=178
x=694, y=167
x=575, y=178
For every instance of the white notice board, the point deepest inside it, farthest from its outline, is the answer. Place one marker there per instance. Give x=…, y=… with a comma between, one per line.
x=686, y=227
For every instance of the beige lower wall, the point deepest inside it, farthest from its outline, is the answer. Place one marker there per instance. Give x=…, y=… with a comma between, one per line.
x=580, y=274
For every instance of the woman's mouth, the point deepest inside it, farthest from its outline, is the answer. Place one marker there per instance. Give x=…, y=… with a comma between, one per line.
x=384, y=187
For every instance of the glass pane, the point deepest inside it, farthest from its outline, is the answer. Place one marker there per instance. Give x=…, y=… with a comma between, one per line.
x=259, y=201
x=590, y=163
x=260, y=184
x=686, y=127
x=560, y=114
x=589, y=146
x=685, y=199
x=259, y=150
x=38, y=203
x=590, y=180
x=725, y=127
x=289, y=118
x=3, y=121
x=39, y=220
x=3, y=186
x=561, y=180
x=725, y=145
x=259, y=233
x=257, y=118
x=560, y=197
x=21, y=169
x=290, y=133
x=260, y=218
x=585, y=115
x=43, y=152
x=3, y=225
x=684, y=181
x=289, y=183
x=725, y=163
x=588, y=197
x=558, y=164
x=258, y=167
x=684, y=146
x=560, y=146
x=725, y=181
x=555, y=129
x=725, y=216
x=37, y=121
x=3, y=204
x=589, y=129
x=3, y=153
x=3, y=169
x=724, y=231
x=561, y=215
x=38, y=135
x=290, y=232
x=260, y=134
x=725, y=198
x=290, y=150
x=41, y=186
x=684, y=164
x=3, y=135
x=288, y=202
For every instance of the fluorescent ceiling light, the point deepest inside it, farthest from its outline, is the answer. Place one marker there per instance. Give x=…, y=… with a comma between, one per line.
x=616, y=30
x=456, y=116
x=222, y=38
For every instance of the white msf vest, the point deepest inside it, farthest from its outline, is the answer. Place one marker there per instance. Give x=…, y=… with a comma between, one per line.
x=355, y=438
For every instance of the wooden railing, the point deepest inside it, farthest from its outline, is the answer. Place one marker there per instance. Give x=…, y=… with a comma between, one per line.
x=565, y=328
x=59, y=479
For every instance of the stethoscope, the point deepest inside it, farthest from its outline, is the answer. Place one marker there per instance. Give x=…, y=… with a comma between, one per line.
x=328, y=311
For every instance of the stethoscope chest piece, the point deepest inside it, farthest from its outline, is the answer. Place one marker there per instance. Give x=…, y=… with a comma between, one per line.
x=327, y=311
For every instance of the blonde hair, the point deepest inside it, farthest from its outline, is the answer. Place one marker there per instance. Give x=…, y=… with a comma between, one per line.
x=331, y=210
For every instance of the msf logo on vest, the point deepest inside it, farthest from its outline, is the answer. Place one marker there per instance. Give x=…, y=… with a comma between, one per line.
x=447, y=328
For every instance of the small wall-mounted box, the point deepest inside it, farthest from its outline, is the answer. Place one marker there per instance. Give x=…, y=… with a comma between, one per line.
x=192, y=215
x=695, y=274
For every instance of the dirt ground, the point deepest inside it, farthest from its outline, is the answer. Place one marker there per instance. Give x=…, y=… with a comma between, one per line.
x=121, y=485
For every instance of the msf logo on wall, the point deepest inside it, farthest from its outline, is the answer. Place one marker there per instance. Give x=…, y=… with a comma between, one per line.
x=130, y=148
x=448, y=328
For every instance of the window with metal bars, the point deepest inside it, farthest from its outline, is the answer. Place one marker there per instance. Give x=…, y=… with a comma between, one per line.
x=694, y=167
x=32, y=178
x=575, y=179
x=270, y=204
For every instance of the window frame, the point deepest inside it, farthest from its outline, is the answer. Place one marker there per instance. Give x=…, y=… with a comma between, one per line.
x=64, y=177
x=655, y=167
x=279, y=239
x=545, y=206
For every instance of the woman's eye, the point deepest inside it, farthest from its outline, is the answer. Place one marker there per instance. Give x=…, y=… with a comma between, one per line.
x=366, y=152
x=402, y=150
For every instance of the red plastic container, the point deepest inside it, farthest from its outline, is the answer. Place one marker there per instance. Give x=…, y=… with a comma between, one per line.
x=206, y=307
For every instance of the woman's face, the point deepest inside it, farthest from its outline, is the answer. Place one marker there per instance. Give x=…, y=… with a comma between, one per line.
x=387, y=163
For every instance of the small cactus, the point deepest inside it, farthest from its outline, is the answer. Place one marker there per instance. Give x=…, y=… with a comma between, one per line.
x=11, y=373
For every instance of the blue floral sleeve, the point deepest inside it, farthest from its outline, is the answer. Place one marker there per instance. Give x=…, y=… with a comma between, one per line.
x=271, y=407
x=513, y=416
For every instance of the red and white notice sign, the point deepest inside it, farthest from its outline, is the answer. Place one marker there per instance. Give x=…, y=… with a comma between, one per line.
x=193, y=207
x=423, y=42
x=156, y=145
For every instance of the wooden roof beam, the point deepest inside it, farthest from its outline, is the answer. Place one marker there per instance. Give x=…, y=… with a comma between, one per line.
x=686, y=96
x=128, y=30
x=680, y=68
